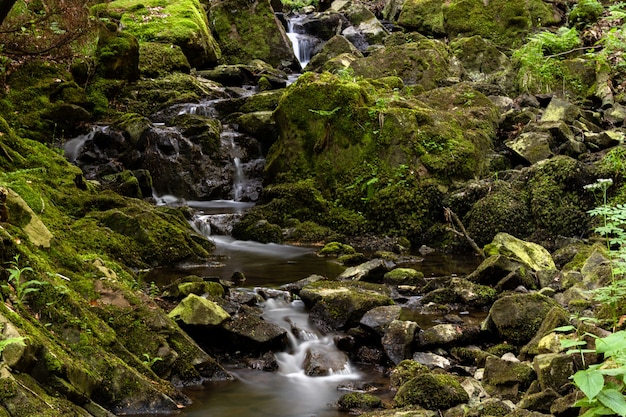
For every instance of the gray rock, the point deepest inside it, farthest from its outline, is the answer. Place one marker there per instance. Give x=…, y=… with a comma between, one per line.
x=553, y=371
x=370, y=271
x=379, y=318
x=532, y=146
x=398, y=340
x=432, y=360
x=321, y=361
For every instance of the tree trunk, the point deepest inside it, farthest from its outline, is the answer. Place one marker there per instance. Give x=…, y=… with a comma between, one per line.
x=5, y=8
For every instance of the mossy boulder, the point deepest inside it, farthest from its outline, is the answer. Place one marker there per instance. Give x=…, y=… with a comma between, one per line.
x=20, y=214
x=404, y=276
x=425, y=62
x=359, y=401
x=517, y=318
x=194, y=310
x=183, y=23
x=431, y=391
x=249, y=30
x=395, y=162
x=117, y=55
x=336, y=249
x=159, y=59
x=534, y=256
x=483, y=62
x=341, y=305
x=334, y=47
x=423, y=16
x=504, y=22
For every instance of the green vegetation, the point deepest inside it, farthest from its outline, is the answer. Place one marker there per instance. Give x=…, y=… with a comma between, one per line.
x=17, y=282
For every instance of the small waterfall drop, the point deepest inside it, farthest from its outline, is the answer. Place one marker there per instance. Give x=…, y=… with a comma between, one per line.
x=303, y=44
x=73, y=147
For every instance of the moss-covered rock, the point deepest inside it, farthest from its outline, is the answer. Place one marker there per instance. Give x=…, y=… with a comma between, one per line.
x=425, y=62
x=198, y=311
x=334, y=47
x=423, y=16
x=249, y=30
x=183, y=23
x=534, y=256
x=159, y=59
x=431, y=391
x=504, y=22
x=483, y=62
x=117, y=55
x=359, y=401
x=340, y=305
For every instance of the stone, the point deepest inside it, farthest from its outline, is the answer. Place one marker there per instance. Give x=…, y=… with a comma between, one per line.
x=370, y=271
x=321, y=361
x=334, y=47
x=359, y=401
x=554, y=371
x=423, y=16
x=531, y=146
x=560, y=110
x=507, y=378
x=432, y=360
x=404, y=276
x=532, y=255
x=518, y=317
x=540, y=401
x=378, y=319
x=447, y=334
x=21, y=215
x=198, y=311
x=248, y=332
x=405, y=371
x=431, y=391
x=398, y=340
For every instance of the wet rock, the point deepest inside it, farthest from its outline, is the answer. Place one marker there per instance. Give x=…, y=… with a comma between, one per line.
x=447, y=334
x=267, y=362
x=532, y=255
x=404, y=276
x=553, y=372
x=157, y=59
x=339, y=305
x=405, y=371
x=321, y=361
x=540, y=401
x=296, y=287
x=337, y=45
x=564, y=406
x=248, y=332
x=359, y=402
x=431, y=360
x=507, y=379
x=462, y=291
x=431, y=391
x=367, y=354
x=198, y=311
x=531, y=146
x=325, y=25
x=517, y=318
x=370, y=271
x=259, y=124
x=378, y=319
x=398, y=340
x=470, y=355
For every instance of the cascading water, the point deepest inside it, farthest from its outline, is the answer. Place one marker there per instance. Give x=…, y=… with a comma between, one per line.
x=303, y=44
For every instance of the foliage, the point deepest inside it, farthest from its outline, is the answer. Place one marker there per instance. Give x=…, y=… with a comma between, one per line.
x=17, y=284
x=20, y=341
x=539, y=60
x=299, y=4
x=586, y=12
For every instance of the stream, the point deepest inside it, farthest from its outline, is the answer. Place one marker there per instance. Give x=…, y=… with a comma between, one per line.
x=287, y=392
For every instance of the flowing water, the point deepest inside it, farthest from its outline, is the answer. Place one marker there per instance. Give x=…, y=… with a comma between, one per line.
x=303, y=44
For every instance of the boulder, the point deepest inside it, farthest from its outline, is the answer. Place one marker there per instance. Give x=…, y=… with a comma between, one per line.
x=117, y=55
x=247, y=31
x=431, y=360
x=405, y=371
x=539, y=401
x=507, y=378
x=503, y=22
x=321, y=361
x=530, y=254
x=398, y=340
x=517, y=318
x=554, y=371
x=461, y=291
x=431, y=391
x=359, y=402
x=499, y=270
x=404, y=276
x=334, y=47
x=341, y=305
x=482, y=61
x=194, y=310
x=21, y=215
x=365, y=27
x=157, y=59
x=370, y=271
x=447, y=335
x=561, y=110
x=378, y=319
x=248, y=332
x=183, y=24
x=423, y=16
x=531, y=146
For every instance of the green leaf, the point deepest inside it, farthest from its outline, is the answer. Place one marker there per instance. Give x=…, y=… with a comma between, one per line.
x=567, y=328
x=612, y=343
x=567, y=343
x=590, y=382
x=614, y=400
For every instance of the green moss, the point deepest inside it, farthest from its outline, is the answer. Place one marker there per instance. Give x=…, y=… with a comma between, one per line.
x=359, y=400
x=336, y=249
x=159, y=59
x=431, y=391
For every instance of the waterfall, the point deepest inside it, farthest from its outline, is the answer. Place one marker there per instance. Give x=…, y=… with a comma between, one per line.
x=302, y=43
x=73, y=147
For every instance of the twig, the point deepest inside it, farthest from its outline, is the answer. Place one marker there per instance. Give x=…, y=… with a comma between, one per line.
x=451, y=217
x=582, y=48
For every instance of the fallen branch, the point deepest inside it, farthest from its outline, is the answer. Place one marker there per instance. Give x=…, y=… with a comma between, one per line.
x=451, y=217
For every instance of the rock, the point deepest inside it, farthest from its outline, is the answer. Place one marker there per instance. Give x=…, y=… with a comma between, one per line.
x=21, y=215
x=556, y=317
x=540, y=401
x=553, y=372
x=431, y=360
x=341, y=305
x=404, y=276
x=370, y=271
x=364, y=24
x=431, y=391
x=531, y=146
x=321, y=361
x=359, y=401
x=398, y=340
x=259, y=124
x=561, y=110
x=504, y=23
x=157, y=59
x=118, y=55
x=503, y=273
x=482, y=61
x=424, y=62
x=198, y=311
x=530, y=254
x=250, y=333
x=447, y=334
x=507, y=378
x=378, y=319
x=335, y=46
x=247, y=31
x=405, y=371
x=461, y=291
x=423, y=16
x=517, y=318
